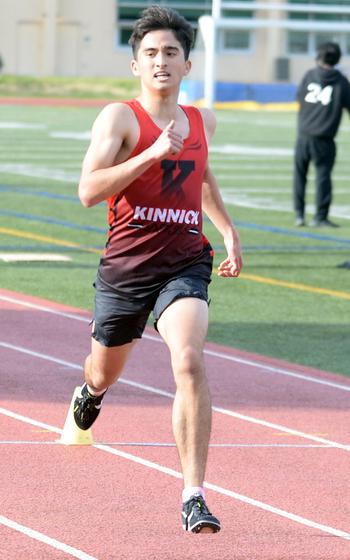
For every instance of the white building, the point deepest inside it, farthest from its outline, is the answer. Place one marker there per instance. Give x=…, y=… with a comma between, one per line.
x=89, y=37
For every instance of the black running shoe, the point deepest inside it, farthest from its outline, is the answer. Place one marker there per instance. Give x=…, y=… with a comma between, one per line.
x=86, y=408
x=323, y=223
x=197, y=518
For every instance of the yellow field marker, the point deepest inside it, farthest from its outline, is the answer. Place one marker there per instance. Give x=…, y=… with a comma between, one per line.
x=293, y=285
x=45, y=239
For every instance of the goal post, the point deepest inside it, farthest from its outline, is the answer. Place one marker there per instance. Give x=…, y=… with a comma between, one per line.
x=209, y=26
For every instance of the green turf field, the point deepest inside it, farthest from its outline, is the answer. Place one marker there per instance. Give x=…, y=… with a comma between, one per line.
x=291, y=302
x=61, y=86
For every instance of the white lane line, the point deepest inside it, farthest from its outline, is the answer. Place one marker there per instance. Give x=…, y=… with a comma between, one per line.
x=167, y=394
x=161, y=444
x=231, y=494
x=243, y=417
x=220, y=490
x=244, y=361
x=278, y=511
x=280, y=371
x=44, y=308
x=25, y=419
x=76, y=553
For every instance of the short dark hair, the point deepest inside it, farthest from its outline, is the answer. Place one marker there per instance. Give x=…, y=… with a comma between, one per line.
x=329, y=53
x=158, y=17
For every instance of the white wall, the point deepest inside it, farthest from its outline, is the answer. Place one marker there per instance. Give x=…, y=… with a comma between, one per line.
x=77, y=38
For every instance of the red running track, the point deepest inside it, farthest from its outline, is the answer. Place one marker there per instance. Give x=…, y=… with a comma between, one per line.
x=278, y=469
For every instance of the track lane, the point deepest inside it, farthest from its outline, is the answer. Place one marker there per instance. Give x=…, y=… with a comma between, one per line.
x=153, y=411
x=330, y=403
x=143, y=415
x=29, y=548
x=72, y=471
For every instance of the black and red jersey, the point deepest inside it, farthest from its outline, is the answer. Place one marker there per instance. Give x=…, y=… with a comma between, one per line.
x=155, y=224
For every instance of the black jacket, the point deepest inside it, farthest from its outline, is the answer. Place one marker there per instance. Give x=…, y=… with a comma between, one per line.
x=322, y=94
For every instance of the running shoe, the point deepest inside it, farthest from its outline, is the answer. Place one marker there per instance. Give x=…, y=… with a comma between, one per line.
x=197, y=518
x=299, y=221
x=86, y=408
x=323, y=223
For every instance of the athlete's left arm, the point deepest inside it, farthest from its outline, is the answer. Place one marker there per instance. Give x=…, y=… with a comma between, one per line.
x=213, y=206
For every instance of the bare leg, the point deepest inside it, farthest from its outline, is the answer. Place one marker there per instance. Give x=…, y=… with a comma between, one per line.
x=183, y=326
x=104, y=365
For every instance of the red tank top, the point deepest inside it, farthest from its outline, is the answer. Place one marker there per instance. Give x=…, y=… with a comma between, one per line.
x=155, y=224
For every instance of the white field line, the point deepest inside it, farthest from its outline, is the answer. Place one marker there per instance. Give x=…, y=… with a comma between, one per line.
x=29, y=170
x=258, y=122
x=270, y=203
x=215, y=488
x=256, y=364
x=245, y=165
x=32, y=147
x=237, y=149
x=45, y=539
x=263, y=177
x=239, y=166
x=169, y=395
x=33, y=257
x=21, y=125
x=219, y=157
x=239, y=191
x=69, y=135
x=32, y=158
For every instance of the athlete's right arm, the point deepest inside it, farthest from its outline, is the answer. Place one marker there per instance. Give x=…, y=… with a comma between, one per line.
x=106, y=170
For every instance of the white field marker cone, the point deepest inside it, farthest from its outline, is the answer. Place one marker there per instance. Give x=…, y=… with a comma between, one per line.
x=72, y=434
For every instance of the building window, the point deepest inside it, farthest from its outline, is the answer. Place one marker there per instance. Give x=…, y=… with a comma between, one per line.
x=324, y=37
x=347, y=44
x=235, y=39
x=307, y=42
x=298, y=42
x=129, y=10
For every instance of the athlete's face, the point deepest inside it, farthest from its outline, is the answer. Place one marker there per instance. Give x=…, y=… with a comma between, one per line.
x=160, y=61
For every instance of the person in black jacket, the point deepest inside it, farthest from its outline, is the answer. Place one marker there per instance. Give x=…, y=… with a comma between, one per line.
x=323, y=94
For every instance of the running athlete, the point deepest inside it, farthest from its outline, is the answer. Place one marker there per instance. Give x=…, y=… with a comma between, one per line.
x=148, y=158
x=323, y=94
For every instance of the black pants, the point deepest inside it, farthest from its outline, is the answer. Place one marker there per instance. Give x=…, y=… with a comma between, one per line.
x=322, y=151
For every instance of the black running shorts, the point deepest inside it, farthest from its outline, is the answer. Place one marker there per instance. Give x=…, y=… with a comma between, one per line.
x=119, y=318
